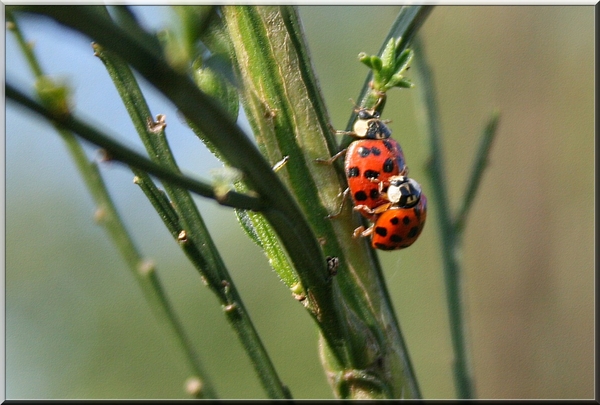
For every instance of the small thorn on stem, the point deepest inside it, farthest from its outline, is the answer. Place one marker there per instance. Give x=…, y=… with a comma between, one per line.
x=100, y=215
x=157, y=126
x=193, y=386
x=145, y=267
x=182, y=237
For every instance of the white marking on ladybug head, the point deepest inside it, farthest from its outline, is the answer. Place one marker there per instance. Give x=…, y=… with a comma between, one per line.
x=403, y=191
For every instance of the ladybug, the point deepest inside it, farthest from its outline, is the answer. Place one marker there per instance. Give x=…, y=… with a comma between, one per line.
x=370, y=161
x=369, y=165
x=398, y=228
x=398, y=223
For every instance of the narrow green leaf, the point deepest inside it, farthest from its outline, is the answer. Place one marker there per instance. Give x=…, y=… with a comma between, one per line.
x=387, y=61
x=377, y=64
x=366, y=59
x=400, y=82
x=403, y=61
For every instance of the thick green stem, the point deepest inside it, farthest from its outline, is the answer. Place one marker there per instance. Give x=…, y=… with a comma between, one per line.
x=286, y=110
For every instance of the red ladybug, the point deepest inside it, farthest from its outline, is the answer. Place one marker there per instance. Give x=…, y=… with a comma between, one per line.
x=398, y=223
x=370, y=161
x=398, y=228
x=369, y=165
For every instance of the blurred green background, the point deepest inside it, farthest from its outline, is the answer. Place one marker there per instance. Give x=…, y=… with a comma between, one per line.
x=77, y=325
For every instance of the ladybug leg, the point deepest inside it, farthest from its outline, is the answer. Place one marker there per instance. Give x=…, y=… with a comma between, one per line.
x=382, y=208
x=362, y=232
x=364, y=209
x=351, y=133
x=343, y=194
x=376, y=210
x=331, y=159
x=338, y=132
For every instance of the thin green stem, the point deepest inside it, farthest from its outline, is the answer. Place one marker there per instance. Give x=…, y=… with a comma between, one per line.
x=479, y=165
x=160, y=201
x=118, y=152
x=405, y=26
x=282, y=212
x=448, y=238
x=107, y=215
x=197, y=242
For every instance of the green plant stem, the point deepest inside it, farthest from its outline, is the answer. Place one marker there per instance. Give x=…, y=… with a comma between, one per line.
x=198, y=243
x=118, y=152
x=405, y=26
x=286, y=111
x=479, y=165
x=270, y=115
x=448, y=238
x=107, y=215
x=281, y=210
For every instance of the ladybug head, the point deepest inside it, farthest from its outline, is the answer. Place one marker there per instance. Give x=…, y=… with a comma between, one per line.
x=369, y=126
x=403, y=191
x=365, y=114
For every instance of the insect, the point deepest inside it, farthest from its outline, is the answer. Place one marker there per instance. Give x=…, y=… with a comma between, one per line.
x=399, y=222
x=369, y=165
x=370, y=161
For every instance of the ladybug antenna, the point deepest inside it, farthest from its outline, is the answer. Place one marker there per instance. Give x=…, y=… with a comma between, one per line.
x=379, y=100
x=356, y=106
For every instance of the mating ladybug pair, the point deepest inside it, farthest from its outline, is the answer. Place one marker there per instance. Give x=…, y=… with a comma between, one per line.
x=379, y=186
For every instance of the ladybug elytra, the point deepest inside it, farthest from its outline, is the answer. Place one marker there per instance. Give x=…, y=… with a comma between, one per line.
x=399, y=223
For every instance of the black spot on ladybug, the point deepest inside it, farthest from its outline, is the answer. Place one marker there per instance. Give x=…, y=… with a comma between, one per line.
x=360, y=196
x=376, y=151
x=417, y=212
x=388, y=145
x=413, y=232
x=353, y=172
x=388, y=165
x=394, y=221
x=381, y=231
x=374, y=194
x=363, y=152
x=383, y=246
x=371, y=174
x=406, y=220
x=396, y=238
